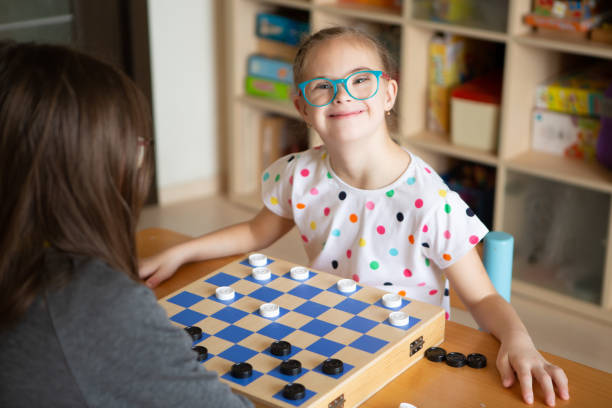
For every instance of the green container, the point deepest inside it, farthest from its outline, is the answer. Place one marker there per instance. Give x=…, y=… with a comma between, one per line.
x=267, y=88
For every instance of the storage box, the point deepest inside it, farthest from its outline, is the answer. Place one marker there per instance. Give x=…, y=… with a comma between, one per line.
x=279, y=28
x=568, y=8
x=267, y=88
x=269, y=68
x=578, y=92
x=564, y=134
x=475, y=113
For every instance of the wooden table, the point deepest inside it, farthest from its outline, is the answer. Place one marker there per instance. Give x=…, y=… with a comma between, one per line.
x=426, y=384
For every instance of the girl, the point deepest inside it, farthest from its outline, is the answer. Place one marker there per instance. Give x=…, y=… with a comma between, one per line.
x=77, y=328
x=368, y=209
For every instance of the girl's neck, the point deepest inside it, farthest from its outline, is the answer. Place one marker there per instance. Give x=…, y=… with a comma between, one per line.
x=370, y=163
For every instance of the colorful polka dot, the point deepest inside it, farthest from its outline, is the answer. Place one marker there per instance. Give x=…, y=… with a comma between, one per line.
x=305, y=172
x=353, y=218
x=290, y=202
x=446, y=292
x=300, y=206
x=390, y=193
x=399, y=216
x=324, y=155
x=313, y=225
x=336, y=232
x=266, y=176
x=277, y=178
x=474, y=240
x=305, y=239
x=326, y=211
x=447, y=208
x=374, y=265
x=418, y=203
x=393, y=252
x=273, y=200
x=469, y=212
x=421, y=284
x=334, y=264
x=402, y=293
x=291, y=158
x=388, y=284
x=433, y=292
x=380, y=229
x=342, y=195
x=425, y=228
x=370, y=205
x=349, y=253
x=425, y=245
x=447, y=234
x=407, y=273
x=411, y=239
x=362, y=242
x=411, y=181
x=329, y=175
x=426, y=261
x=446, y=257
x=291, y=180
x=314, y=191
x=427, y=170
x=442, y=193
x=356, y=277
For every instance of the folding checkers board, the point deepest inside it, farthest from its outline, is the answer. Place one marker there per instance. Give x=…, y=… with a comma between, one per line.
x=316, y=319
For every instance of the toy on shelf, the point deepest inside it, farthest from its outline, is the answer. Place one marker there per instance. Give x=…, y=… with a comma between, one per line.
x=280, y=28
x=576, y=18
x=564, y=134
x=578, y=92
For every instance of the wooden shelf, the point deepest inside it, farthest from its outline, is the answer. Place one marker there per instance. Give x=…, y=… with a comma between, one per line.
x=363, y=12
x=572, y=46
x=296, y=4
x=440, y=143
x=270, y=105
x=564, y=170
x=476, y=33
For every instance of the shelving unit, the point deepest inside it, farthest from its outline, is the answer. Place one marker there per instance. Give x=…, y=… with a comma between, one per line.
x=529, y=60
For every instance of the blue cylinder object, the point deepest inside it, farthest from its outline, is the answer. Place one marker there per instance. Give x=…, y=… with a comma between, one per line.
x=497, y=260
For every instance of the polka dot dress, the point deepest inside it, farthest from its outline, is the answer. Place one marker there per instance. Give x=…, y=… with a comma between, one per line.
x=397, y=238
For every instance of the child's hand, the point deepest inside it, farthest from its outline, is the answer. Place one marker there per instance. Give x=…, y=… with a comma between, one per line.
x=158, y=268
x=519, y=355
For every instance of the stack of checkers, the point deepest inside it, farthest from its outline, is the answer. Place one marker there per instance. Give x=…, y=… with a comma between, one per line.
x=285, y=335
x=455, y=359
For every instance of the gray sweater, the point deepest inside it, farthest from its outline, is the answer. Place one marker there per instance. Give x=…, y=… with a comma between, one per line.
x=102, y=341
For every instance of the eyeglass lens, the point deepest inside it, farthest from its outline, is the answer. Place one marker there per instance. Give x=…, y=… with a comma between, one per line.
x=360, y=85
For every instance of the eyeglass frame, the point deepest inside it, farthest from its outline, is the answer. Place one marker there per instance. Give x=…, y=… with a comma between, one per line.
x=335, y=82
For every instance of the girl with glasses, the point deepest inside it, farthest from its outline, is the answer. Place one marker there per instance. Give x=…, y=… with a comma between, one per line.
x=77, y=326
x=368, y=209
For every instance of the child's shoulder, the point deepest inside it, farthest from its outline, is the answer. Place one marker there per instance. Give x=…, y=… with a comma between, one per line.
x=302, y=159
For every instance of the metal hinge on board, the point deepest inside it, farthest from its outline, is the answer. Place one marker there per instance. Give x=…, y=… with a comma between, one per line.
x=337, y=403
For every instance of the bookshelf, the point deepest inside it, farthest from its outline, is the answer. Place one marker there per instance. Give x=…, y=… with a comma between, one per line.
x=584, y=285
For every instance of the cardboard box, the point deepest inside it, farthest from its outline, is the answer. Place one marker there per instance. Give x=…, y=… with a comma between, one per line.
x=279, y=28
x=275, y=49
x=475, y=113
x=269, y=68
x=267, y=88
x=563, y=134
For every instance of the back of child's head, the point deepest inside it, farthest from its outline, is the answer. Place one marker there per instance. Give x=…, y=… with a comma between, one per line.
x=332, y=33
x=72, y=172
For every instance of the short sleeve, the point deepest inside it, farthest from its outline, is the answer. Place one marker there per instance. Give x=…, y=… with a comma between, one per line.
x=277, y=186
x=453, y=229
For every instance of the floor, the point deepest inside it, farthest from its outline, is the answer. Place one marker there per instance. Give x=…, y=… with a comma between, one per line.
x=552, y=330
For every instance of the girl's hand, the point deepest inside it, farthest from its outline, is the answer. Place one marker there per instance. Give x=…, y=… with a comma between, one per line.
x=160, y=267
x=519, y=355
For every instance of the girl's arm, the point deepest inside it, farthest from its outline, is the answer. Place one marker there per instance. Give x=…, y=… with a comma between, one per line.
x=259, y=232
x=517, y=353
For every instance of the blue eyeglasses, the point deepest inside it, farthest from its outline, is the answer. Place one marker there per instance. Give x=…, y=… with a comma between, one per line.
x=361, y=85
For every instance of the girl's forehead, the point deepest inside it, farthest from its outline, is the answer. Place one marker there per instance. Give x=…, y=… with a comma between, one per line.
x=338, y=56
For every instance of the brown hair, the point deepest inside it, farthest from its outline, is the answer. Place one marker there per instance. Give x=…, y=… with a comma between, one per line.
x=71, y=134
x=330, y=33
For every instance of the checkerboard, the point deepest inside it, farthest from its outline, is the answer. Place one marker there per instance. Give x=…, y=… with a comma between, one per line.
x=318, y=321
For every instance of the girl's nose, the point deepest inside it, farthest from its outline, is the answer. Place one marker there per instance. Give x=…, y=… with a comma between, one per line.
x=341, y=94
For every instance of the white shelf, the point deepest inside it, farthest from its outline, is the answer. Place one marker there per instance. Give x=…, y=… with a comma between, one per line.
x=570, y=46
x=440, y=143
x=469, y=32
x=270, y=105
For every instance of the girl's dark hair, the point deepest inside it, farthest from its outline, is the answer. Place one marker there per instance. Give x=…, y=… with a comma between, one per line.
x=72, y=172
x=330, y=33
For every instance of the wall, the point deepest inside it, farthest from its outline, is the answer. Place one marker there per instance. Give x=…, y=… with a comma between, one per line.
x=184, y=79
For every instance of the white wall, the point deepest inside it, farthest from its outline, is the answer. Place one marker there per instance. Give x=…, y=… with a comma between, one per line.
x=183, y=77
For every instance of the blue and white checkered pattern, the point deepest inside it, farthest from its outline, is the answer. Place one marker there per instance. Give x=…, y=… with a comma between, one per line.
x=318, y=320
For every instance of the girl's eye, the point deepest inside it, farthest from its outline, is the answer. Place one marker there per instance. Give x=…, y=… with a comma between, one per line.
x=360, y=80
x=323, y=85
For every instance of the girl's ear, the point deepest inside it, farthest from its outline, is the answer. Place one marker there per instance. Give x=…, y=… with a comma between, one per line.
x=391, y=94
x=300, y=106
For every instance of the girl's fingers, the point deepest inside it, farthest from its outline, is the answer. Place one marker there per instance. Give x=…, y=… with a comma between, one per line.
x=524, y=377
x=546, y=384
x=560, y=380
x=505, y=370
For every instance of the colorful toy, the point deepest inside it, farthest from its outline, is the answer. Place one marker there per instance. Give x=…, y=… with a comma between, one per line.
x=267, y=88
x=347, y=344
x=270, y=68
x=279, y=28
